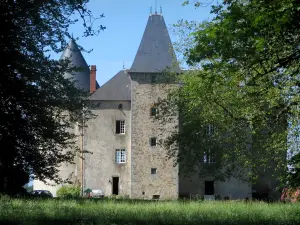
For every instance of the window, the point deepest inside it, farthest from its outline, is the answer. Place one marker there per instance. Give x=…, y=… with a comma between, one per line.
x=120, y=156
x=208, y=157
x=153, y=111
x=153, y=170
x=210, y=130
x=155, y=197
x=153, y=78
x=120, y=127
x=153, y=141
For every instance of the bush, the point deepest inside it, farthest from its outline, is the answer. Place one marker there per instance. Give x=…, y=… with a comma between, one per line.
x=69, y=191
x=290, y=195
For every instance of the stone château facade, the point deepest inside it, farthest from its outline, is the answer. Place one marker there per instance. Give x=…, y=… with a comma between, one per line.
x=126, y=159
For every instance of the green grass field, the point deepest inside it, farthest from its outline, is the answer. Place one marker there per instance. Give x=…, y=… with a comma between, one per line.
x=87, y=212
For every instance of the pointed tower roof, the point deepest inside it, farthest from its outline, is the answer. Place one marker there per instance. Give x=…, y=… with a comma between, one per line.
x=81, y=77
x=156, y=51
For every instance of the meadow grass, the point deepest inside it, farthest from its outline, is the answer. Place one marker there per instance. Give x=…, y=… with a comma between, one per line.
x=88, y=212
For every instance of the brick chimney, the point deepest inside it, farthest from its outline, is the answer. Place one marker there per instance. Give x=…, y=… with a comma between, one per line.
x=93, y=79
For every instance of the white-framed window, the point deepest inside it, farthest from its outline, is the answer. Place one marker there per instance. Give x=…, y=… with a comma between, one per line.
x=153, y=141
x=210, y=130
x=208, y=157
x=120, y=126
x=120, y=156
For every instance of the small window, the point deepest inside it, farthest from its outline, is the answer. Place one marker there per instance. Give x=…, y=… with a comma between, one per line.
x=153, y=141
x=155, y=197
x=120, y=156
x=153, y=111
x=120, y=127
x=153, y=78
x=153, y=170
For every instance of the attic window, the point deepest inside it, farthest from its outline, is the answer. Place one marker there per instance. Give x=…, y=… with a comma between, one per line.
x=120, y=106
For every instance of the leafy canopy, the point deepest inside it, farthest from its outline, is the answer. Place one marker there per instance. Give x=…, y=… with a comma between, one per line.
x=34, y=96
x=246, y=86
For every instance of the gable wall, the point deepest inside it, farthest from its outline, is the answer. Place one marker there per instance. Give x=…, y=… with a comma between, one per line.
x=102, y=141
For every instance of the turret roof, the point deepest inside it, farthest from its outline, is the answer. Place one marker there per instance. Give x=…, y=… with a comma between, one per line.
x=156, y=51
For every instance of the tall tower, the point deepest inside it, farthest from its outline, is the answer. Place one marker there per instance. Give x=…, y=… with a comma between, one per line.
x=152, y=176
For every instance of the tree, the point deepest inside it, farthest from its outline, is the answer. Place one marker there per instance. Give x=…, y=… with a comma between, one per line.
x=293, y=178
x=34, y=96
x=246, y=86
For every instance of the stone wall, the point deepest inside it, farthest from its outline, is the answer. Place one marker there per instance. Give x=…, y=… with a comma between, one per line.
x=145, y=185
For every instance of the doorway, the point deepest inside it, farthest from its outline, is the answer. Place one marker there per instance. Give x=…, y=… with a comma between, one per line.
x=115, y=185
x=209, y=188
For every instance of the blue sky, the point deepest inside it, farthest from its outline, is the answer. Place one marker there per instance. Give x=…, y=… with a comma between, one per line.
x=125, y=22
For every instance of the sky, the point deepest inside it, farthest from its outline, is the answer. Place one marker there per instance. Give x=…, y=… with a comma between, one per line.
x=125, y=22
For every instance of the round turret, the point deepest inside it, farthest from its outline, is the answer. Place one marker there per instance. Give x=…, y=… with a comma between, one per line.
x=82, y=76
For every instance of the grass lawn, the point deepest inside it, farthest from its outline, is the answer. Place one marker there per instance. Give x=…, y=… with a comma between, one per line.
x=87, y=212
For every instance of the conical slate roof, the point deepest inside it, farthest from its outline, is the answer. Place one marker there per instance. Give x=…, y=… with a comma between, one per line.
x=81, y=77
x=155, y=52
x=117, y=88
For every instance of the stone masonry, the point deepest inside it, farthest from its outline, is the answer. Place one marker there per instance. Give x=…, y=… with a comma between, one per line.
x=145, y=185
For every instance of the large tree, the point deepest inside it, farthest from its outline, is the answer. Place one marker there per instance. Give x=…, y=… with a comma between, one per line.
x=34, y=131
x=242, y=102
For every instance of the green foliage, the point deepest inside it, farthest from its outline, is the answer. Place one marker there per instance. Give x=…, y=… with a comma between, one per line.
x=34, y=96
x=145, y=212
x=246, y=85
x=69, y=191
x=293, y=175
